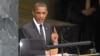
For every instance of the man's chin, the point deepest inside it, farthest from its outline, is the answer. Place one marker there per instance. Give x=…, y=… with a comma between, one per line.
x=41, y=21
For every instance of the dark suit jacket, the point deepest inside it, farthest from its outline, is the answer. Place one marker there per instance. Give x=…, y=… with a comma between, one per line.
x=30, y=31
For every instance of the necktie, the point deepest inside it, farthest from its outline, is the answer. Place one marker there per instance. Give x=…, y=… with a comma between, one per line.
x=41, y=31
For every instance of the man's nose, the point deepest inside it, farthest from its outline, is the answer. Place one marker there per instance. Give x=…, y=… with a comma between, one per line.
x=41, y=15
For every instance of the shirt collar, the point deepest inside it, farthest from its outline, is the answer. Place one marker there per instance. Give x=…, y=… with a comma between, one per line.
x=36, y=22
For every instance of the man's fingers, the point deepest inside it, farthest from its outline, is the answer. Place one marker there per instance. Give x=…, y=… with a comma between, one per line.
x=55, y=30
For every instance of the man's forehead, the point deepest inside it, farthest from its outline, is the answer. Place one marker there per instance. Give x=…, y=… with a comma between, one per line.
x=41, y=8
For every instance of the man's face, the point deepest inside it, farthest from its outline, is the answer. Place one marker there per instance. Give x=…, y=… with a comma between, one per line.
x=40, y=14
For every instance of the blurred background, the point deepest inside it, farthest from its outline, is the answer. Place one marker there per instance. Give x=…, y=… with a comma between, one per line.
x=57, y=12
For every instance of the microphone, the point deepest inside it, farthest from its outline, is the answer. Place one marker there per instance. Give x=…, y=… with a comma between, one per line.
x=68, y=44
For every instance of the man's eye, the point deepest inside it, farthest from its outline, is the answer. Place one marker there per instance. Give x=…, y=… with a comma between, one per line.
x=38, y=12
x=41, y=12
x=44, y=13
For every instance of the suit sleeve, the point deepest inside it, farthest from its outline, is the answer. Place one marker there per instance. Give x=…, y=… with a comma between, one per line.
x=23, y=34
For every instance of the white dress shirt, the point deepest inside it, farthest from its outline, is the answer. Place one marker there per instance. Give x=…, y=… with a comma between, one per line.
x=38, y=27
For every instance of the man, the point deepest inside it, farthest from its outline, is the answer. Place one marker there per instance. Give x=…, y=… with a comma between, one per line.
x=32, y=29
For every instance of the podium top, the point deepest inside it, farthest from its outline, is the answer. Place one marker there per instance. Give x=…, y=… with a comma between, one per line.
x=66, y=54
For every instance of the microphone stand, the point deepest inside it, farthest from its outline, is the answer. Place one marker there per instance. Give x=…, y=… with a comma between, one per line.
x=61, y=47
x=61, y=38
x=93, y=50
x=78, y=51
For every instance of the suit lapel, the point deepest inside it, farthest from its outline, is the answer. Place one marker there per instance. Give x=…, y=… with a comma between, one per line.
x=34, y=27
x=46, y=29
x=46, y=32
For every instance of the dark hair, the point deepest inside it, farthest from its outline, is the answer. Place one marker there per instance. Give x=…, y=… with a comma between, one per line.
x=39, y=4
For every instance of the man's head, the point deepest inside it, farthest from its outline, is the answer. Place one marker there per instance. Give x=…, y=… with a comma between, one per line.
x=40, y=12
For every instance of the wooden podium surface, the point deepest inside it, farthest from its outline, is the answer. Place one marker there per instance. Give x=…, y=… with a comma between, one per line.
x=96, y=54
x=66, y=54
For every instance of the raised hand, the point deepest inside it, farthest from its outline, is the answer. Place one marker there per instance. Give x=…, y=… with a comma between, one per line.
x=88, y=12
x=54, y=36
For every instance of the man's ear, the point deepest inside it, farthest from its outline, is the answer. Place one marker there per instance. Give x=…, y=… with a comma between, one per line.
x=47, y=12
x=32, y=12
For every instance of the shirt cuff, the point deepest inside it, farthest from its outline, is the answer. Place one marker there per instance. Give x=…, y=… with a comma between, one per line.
x=55, y=43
